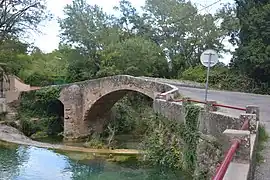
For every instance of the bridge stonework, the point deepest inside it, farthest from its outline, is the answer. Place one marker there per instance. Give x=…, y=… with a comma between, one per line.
x=87, y=103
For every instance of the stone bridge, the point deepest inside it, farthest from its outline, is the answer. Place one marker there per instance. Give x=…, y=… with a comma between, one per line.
x=87, y=103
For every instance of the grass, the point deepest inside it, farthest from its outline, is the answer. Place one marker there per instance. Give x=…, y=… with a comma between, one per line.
x=262, y=139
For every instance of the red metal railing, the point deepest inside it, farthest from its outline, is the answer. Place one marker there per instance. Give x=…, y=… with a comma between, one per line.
x=230, y=107
x=222, y=169
x=203, y=102
x=192, y=100
x=219, y=105
x=178, y=100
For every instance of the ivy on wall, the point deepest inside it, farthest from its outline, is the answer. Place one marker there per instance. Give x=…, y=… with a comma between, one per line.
x=172, y=144
x=36, y=102
x=43, y=105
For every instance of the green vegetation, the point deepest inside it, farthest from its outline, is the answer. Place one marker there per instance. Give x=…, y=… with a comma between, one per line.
x=173, y=145
x=96, y=44
x=40, y=112
x=252, y=56
x=262, y=139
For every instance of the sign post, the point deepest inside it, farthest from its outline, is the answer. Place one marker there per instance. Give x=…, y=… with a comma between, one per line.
x=209, y=58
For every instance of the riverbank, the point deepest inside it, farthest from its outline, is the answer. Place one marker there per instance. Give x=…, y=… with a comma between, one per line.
x=12, y=135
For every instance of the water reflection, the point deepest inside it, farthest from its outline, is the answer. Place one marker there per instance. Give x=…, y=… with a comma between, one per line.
x=30, y=163
x=11, y=157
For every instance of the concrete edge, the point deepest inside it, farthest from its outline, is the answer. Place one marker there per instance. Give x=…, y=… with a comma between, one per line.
x=247, y=170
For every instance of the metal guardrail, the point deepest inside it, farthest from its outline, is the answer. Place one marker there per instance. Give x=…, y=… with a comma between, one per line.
x=222, y=169
x=215, y=104
x=230, y=107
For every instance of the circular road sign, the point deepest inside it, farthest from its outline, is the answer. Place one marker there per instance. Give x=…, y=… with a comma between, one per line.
x=211, y=55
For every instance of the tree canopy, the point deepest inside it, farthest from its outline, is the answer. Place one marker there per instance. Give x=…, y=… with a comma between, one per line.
x=163, y=39
x=18, y=17
x=252, y=58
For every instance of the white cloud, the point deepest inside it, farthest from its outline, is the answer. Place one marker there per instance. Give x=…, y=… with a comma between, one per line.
x=49, y=40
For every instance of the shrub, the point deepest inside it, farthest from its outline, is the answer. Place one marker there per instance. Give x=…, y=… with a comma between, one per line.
x=44, y=105
x=171, y=144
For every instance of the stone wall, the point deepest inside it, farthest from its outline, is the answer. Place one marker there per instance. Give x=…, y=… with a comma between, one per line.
x=14, y=87
x=12, y=96
x=16, y=84
x=171, y=110
x=182, y=83
x=215, y=123
x=87, y=103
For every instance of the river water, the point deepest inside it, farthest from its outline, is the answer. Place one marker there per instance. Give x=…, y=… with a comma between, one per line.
x=31, y=163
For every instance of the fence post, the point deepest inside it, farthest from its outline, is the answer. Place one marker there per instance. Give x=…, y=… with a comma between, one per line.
x=251, y=109
x=186, y=101
x=209, y=106
x=252, y=121
x=243, y=153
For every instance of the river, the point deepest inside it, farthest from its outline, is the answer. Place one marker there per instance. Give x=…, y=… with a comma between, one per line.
x=31, y=163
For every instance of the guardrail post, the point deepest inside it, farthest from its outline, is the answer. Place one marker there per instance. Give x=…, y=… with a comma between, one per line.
x=251, y=109
x=186, y=100
x=252, y=121
x=209, y=106
x=243, y=153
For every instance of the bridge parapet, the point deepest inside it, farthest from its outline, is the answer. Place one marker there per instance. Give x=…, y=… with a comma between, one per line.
x=241, y=142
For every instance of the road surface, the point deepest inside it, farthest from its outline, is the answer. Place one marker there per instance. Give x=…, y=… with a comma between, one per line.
x=241, y=100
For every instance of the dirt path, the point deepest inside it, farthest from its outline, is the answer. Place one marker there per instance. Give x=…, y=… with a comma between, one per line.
x=12, y=135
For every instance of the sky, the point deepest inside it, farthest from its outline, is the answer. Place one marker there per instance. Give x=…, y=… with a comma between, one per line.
x=49, y=39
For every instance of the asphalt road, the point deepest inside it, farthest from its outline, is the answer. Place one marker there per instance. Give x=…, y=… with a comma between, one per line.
x=233, y=98
x=241, y=100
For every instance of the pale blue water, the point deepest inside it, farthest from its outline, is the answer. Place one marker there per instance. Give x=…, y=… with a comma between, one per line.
x=30, y=163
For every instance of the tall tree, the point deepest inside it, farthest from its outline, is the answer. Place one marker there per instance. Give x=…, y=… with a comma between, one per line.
x=10, y=50
x=229, y=23
x=134, y=56
x=84, y=28
x=131, y=22
x=18, y=17
x=252, y=58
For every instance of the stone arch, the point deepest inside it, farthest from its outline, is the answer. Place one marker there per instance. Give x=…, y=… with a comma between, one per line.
x=103, y=104
x=86, y=102
x=56, y=108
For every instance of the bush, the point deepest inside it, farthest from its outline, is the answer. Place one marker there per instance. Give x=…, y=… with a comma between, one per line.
x=221, y=77
x=95, y=141
x=172, y=145
x=28, y=127
x=197, y=74
x=43, y=104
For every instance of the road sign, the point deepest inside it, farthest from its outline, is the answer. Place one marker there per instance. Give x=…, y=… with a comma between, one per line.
x=209, y=58
x=205, y=56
